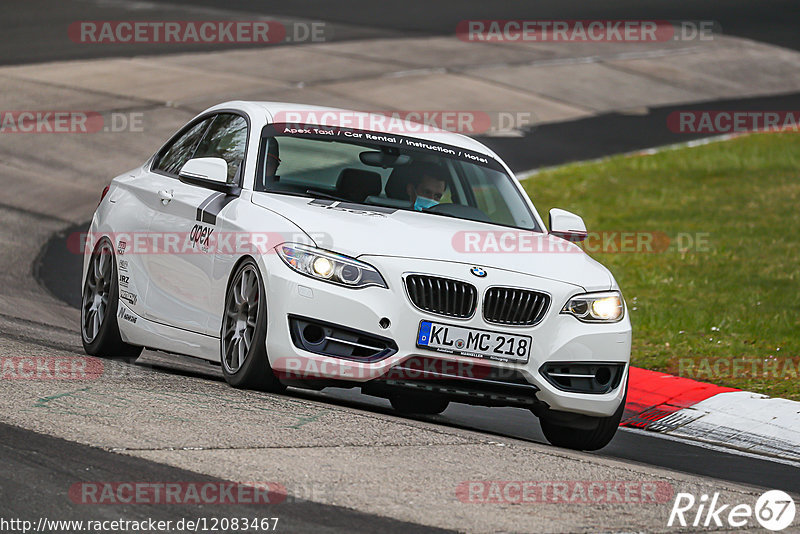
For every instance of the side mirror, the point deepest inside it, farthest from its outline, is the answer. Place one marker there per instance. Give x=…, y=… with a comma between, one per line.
x=208, y=172
x=567, y=225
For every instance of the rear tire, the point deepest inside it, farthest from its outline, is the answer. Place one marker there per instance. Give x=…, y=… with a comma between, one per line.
x=243, y=338
x=583, y=439
x=419, y=404
x=99, y=304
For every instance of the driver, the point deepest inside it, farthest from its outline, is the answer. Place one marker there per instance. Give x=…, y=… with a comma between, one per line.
x=426, y=186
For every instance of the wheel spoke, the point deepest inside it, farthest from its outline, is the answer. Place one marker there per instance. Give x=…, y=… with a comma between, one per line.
x=102, y=262
x=96, y=269
x=243, y=288
x=88, y=321
x=247, y=341
x=241, y=353
x=230, y=351
x=229, y=328
x=237, y=296
x=252, y=289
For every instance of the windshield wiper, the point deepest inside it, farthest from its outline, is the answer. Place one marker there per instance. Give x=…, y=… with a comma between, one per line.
x=439, y=213
x=288, y=193
x=320, y=194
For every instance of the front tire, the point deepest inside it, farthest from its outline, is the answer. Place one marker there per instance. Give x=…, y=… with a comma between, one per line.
x=99, y=303
x=244, y=332
x=590, y=437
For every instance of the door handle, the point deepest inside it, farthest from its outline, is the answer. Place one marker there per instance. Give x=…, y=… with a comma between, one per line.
x=165, y=196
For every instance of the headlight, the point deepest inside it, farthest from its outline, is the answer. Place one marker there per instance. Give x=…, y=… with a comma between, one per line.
x=329, y=266
x=604, y=307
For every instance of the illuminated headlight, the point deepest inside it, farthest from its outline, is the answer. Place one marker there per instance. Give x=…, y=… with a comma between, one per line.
x=329, y=266
x=604, y=307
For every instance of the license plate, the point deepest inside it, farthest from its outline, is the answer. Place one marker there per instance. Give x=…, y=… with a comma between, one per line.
x=474, y=342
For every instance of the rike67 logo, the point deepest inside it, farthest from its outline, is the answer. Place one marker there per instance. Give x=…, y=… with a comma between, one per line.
x=773, y=510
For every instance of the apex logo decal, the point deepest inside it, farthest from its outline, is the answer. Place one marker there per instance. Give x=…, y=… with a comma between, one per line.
x=479, y=272
x=200, y=236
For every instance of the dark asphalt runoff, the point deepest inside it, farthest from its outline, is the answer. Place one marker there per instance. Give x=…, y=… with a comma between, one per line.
x=774, y=21
x=37, y=472
x=616, y=133
x=37, y=30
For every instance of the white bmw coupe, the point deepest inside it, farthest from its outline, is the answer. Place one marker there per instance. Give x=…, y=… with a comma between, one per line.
x=314, y=247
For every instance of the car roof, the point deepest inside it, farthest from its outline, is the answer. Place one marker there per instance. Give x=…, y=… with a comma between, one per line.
x=274, y=109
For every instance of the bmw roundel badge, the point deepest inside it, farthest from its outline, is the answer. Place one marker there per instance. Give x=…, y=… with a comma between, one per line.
x=478, y=271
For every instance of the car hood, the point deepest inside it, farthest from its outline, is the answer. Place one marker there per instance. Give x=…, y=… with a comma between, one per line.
x=359, y=230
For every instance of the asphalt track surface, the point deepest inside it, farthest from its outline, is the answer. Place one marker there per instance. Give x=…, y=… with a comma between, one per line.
x=772, y=22
x=42, y=466
x=34, y=30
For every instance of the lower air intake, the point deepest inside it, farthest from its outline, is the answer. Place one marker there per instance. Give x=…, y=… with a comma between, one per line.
x=583, y=377
x=337, y=341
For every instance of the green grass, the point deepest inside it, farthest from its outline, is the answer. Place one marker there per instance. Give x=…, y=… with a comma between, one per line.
x=738, y=296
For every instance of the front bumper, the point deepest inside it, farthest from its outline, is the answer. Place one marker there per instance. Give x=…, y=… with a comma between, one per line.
x=557, y=338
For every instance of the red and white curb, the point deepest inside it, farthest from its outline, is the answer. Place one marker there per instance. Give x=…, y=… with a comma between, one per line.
x=721, y=416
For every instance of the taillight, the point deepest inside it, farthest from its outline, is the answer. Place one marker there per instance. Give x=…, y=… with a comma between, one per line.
x=103, y=195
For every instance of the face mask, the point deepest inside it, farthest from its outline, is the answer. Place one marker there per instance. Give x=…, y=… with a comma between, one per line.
x=423, y=203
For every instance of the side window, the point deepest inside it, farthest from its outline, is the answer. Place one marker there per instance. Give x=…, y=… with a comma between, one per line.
x=174, y=156
x=226, y=139
x=489, y=188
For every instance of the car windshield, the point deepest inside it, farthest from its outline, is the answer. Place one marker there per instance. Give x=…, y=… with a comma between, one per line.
x=391, y=171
